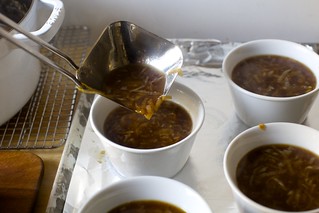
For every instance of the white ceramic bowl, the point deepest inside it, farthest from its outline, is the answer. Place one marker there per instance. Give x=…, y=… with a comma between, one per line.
x=164, y=161
x=147, y=188
x=275, y=133
x=253, y=108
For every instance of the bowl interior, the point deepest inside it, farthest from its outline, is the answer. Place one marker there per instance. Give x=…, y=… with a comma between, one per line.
x=275, y=133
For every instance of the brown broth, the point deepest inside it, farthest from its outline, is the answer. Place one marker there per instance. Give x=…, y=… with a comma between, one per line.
x=147, y=206
x=170, y=124
x=273, y=75
x=136, y=86
x=281, y=177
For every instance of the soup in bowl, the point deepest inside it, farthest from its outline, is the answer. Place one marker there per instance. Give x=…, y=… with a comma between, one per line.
x=272, y=81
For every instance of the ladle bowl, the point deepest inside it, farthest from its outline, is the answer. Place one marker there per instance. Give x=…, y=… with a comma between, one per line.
x=121, y=43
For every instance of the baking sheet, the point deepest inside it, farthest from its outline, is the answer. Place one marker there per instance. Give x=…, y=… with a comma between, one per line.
x=204, y=169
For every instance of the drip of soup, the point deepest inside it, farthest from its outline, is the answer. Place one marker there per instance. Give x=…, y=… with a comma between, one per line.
x=147, y=206
x=170, y=124
x=281, y=177
x=273, y=75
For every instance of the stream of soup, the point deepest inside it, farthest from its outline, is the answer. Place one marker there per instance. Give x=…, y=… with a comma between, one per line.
x=138, y=87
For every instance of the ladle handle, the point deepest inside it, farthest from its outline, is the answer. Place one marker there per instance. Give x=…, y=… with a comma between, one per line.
x=37, y=54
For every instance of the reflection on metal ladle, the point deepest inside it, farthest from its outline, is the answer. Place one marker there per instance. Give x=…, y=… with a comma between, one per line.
x=121, y=47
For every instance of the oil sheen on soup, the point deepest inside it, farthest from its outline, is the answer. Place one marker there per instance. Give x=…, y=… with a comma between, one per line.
x=147, y=206
x=273, y=75
x=281, y=177
x=170, y=124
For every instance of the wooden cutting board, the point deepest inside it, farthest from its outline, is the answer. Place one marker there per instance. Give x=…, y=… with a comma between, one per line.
x=20, y=176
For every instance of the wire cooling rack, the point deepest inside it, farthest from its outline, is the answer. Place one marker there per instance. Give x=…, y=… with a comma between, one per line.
x=44, y=122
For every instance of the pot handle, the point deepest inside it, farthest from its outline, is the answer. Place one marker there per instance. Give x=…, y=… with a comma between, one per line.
x=53, y=23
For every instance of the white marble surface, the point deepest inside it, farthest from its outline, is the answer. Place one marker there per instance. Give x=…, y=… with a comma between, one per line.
x=204, y=169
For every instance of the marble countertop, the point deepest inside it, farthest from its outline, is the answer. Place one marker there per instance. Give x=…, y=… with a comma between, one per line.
x=85, y=167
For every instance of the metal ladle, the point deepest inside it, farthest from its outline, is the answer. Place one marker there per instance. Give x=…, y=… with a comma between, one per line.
x=120, y=43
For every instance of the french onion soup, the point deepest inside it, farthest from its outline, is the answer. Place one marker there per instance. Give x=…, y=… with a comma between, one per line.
x=170, y=124
x=273, y=75
x=282, y=177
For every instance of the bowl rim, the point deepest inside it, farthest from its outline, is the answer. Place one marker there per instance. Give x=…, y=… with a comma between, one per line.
x=147, y=178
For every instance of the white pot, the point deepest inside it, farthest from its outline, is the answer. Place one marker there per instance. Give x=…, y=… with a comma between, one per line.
x=19, y=71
